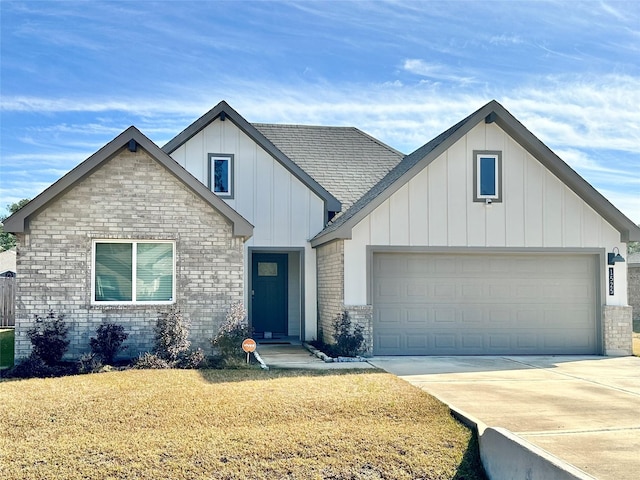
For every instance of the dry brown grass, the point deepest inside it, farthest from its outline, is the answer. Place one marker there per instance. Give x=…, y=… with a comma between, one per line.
x=636, y=344
x=173, y=424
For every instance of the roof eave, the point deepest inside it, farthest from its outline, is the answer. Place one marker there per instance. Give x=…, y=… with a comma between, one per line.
x=507, y=122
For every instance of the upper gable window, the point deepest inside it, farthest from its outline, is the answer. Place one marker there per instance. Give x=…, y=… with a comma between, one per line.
x=487, y=176
x=221, y=174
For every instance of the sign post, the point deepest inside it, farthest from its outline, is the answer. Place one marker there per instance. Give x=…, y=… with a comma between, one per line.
x=249, y=345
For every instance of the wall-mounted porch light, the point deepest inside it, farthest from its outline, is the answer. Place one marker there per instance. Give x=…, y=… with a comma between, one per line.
x=614, y=257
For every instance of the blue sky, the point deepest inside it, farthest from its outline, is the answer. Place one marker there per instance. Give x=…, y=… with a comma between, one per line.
x=73, y=75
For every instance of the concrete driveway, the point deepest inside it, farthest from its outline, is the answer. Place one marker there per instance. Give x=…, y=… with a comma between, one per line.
x=584, y=410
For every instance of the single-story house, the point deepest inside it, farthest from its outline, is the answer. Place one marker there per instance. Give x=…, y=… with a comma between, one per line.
x=482, y=241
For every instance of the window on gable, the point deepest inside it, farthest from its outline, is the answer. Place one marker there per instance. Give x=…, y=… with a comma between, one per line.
x=132, y=272
x=487, y=176
x=221, y=174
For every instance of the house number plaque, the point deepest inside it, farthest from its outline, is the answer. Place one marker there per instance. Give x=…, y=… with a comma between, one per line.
x=611, y=289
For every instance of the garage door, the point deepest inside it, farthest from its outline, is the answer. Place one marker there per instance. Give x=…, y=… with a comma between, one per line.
x=470, y=304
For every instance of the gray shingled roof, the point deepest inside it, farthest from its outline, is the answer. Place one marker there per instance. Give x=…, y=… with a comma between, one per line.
x=634, y=258
x=344, y=160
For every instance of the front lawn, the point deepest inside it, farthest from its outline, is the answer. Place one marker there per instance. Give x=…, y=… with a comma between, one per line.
x=6, y=347
x=227, y=424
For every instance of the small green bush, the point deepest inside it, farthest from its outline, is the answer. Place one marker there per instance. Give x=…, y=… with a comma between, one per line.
x=108, y=341
x=49, y=337
x=232, y=332
x=349, y=338
x=171, y=336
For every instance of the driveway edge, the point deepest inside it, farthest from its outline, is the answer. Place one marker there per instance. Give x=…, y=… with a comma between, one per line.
x=506, y=455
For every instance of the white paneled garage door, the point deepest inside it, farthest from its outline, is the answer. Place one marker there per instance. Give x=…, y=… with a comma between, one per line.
x=489, y=304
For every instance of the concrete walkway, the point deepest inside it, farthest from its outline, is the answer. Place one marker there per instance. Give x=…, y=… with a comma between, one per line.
x=583, y=410
x=296, y=356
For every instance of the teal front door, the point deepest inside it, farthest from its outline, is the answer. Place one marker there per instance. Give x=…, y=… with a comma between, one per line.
x=269, y=312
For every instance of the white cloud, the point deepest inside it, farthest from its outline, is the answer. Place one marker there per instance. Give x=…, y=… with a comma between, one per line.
x=435, y=71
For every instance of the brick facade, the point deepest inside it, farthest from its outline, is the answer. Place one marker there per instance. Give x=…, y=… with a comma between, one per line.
x=616, y=336
x=363, y=315
x=330, y=272
x=330, y=258
x=130, y=196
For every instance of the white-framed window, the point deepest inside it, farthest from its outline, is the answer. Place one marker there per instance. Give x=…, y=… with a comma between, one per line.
x=130, y=272
x=487, y=176
x=221, y=174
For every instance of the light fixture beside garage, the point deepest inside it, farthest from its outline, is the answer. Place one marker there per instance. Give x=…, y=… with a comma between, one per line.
x=614, y=257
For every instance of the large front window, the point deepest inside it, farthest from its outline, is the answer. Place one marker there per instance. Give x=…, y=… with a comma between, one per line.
x=133, y=272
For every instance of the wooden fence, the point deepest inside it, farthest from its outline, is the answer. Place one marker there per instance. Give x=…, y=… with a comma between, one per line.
x=7, y=301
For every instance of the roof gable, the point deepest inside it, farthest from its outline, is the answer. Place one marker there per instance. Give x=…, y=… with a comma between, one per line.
x=224, y=112
x=131, y=138
x=423, y=156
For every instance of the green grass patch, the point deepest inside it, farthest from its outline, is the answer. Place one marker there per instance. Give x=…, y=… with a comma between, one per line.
x=7, y=345
x=186, y=424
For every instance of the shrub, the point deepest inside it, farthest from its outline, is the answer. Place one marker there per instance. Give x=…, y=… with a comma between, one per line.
x=171, y=333
x=29, y=367
x=49, y=337
x=193, y=360
x=232, y=332
x=349, y=338
x=108, y=341
x=150, y=361
x=90, y=363
x=35, y=367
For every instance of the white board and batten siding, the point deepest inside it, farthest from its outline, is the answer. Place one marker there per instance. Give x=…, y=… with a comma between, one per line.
x=436, y=209
x=284, y=212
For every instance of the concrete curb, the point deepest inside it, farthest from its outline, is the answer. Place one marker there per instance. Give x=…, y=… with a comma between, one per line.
x=505, y=455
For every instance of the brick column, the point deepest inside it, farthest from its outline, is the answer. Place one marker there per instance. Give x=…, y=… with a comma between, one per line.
x=617, y=330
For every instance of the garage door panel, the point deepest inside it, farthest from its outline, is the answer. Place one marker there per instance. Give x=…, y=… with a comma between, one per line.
x=470, y=318
x=418, y=340
x=444, y=341
x=437, y=304
x=416, y=289
x=417, y=316
x=472, y=341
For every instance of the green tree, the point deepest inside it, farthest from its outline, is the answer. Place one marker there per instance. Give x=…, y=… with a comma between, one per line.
x=7, y=240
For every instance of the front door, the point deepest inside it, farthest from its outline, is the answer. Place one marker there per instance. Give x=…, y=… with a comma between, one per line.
x=269, y=312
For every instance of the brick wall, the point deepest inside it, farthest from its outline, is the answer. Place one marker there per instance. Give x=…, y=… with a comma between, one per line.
x=330, y=272
x=330, y=259
x=616, y=336
x=129, y=197
x=363, y=315
x=634, y=293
